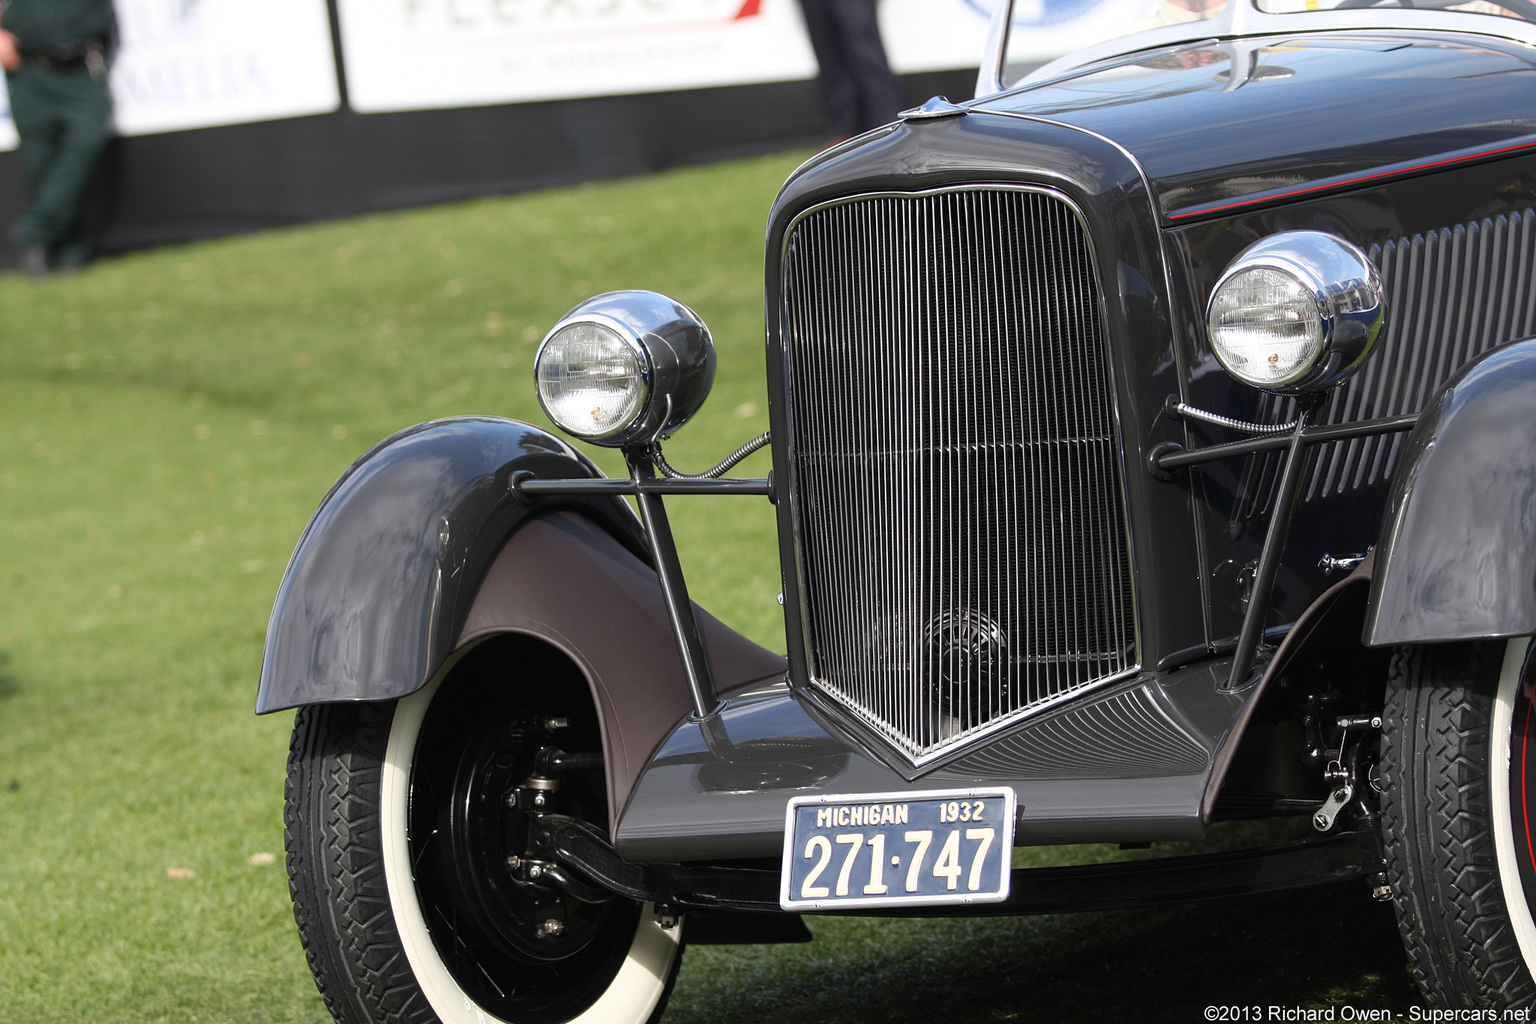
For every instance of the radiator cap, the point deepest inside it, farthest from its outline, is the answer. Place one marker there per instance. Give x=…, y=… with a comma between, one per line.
x=933, y=109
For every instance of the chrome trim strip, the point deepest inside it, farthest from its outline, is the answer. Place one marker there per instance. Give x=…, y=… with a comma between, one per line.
x=1372, y=177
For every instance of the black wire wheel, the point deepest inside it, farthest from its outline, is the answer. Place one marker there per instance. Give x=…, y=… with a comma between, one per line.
x=1459, y=819
x=408, y=828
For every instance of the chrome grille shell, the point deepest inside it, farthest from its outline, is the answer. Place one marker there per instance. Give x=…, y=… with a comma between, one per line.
x=956, y=479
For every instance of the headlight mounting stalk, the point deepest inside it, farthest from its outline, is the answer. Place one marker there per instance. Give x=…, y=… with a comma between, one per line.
x=648, y=490
x=1296, y=313
x=674, y=590
x=624, y=370
x=1274, y=542
x=1168, y=459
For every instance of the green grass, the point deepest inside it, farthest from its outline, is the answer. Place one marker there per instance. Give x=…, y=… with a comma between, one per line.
x=167, y=423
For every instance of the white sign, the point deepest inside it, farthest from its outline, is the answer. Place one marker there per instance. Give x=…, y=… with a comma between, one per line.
x=7, y=130
x=200, y=63
x=421, y=54
x=1047, y=29
x=934, y=35
x=414, y=54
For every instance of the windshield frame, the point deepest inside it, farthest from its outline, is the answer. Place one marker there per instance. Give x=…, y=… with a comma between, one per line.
x=1238, y=19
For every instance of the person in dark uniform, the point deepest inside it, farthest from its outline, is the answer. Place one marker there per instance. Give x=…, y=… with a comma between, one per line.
x=857, y=85
x=54, y=53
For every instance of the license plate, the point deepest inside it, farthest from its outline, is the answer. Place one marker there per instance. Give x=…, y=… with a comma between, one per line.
x=897, y=849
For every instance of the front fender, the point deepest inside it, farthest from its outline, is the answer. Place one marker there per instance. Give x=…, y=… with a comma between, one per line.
x=380, y=586
x=1457, y=557
x=567, y=582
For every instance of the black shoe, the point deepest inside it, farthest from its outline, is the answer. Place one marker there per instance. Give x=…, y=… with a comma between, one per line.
x=34, y=261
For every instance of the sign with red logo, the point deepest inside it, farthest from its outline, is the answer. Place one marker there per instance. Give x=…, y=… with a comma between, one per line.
x=414, y=54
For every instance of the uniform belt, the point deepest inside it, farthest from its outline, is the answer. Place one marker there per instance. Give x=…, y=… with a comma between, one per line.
x=67, y=55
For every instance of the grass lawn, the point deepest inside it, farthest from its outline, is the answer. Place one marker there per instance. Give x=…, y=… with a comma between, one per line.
x=167, y=423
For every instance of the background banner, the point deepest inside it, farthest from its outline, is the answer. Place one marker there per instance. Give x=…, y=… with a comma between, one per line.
x=1047, y=29
x=201, y=63
x=418, y=54
x=933, y=35
x=7, y=130
x=445, y=99
x=424, y=54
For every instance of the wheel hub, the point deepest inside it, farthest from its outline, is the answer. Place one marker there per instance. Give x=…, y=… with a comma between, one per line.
x=518, y=935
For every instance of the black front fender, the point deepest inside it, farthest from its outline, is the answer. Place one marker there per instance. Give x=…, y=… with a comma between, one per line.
x=381, y=584
x=1457, y=557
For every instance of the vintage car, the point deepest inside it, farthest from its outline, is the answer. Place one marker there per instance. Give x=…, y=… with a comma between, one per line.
x=1153, y=445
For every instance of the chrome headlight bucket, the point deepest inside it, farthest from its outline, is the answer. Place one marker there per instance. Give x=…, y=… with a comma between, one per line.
x=1296, y=312
x=625, y=368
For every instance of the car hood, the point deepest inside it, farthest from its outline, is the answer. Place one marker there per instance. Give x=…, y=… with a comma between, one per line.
x=1215, y=124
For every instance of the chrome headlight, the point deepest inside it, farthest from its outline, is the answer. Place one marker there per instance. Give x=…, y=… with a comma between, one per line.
x=1297, y=311
x=625, y=368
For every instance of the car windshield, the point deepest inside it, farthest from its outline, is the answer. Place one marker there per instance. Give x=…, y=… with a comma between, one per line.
x=1041, y=31
x=1522, y=9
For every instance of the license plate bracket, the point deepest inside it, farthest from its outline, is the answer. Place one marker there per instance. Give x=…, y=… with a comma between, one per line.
x=923, y=848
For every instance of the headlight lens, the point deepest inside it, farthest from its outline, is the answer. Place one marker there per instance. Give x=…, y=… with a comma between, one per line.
x=592, y=382
x=1297, y=311
x=1266, y=327
x=625, y=368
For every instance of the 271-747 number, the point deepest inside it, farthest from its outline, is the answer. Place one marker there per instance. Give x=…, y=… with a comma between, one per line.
x=946, y=867
x=897, y=849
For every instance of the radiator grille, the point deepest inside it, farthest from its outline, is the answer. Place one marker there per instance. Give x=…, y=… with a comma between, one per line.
x=1452, y=295
x=957, y=483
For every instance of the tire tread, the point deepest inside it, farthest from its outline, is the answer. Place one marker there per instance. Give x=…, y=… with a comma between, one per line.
x=336, y=867
x=1436, y=826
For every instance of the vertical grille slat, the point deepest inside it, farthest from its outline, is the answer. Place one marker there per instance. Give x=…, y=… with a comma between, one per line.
x=957, y=481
